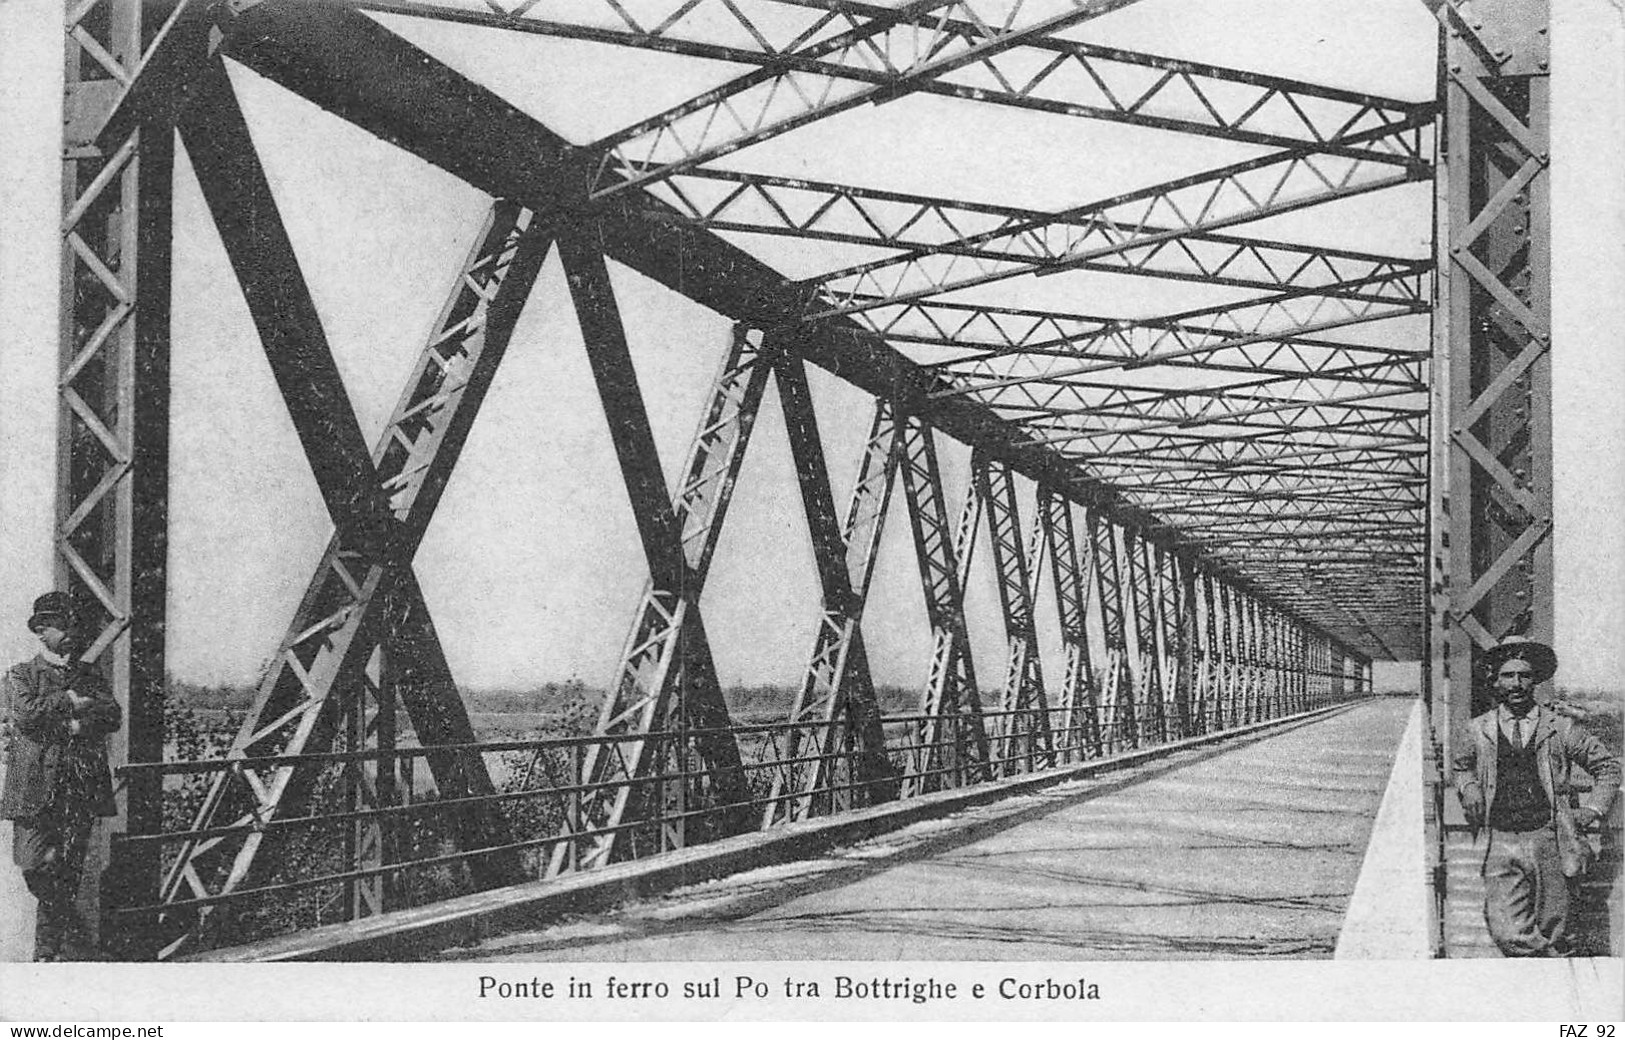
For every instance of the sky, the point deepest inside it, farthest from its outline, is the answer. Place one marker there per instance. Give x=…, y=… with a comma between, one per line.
x=532, y=567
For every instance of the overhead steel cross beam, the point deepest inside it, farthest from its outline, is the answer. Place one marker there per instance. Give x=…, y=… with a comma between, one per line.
x=1179, y=499
x=1287, y=416
x=1176, y=478
x=1141, y=344
x=1286, y=319
x=1385, y=431
x=380, y=504
x=910, y=45
x=976, y=329
x=1243, y=438
x=1223, y=404
x=1351, y=420
x=1280, y=182
x=1043, y=74
x=729, y=200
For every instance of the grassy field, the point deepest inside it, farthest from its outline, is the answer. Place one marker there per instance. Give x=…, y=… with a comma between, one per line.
x=1601, y=712
x=549, y=710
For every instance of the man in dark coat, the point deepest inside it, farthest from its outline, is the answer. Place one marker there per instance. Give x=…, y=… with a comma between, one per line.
x=1515, y=774
x=58, y=713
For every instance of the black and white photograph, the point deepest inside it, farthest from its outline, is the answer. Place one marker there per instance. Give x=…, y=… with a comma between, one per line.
x=812, y=510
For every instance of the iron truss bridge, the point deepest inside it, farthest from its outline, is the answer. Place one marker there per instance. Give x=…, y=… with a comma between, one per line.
x=1217, y=405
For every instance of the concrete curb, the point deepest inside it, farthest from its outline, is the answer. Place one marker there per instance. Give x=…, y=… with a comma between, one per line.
x=473, y=917
x=1387, y=917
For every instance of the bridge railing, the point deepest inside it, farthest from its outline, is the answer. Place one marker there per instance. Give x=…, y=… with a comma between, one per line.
x=313, y=877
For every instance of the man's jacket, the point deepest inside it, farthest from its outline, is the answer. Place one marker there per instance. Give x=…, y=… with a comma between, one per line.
x=40, y=713
x=1559, y=746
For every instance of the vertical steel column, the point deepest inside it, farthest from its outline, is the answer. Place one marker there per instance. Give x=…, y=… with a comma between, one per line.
x=1166, y=589
x=1142, y=601
x=1263, y=645
x=1309, y=669
x=1256, y=675
x=666, y=681
x=1210, y=676
x=837, y=695
x=1080, y=700
x=1436, y=642
x=1176, y=611
x=1303, y=661
x=1495, y=250
x=952, y=739
x=1164, y=596
x=1118, y=688
x=1291, y=663
x=1281, y=644
x=1232, y=691
x=1315, y=680
x=1025, y=728
x=369, y=725
x=1305, y=655
x=1280, y=650
x=1190, y=657
x=112, y=461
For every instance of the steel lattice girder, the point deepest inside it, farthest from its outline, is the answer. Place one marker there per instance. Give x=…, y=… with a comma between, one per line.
x=109, y=549
x=732, y=200
x=915, y=43
x=1056, y=76
x=1494, y=248
x=1211, y=201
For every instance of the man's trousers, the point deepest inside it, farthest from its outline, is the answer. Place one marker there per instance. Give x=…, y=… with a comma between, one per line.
x=1526, y=896
x=52, y=857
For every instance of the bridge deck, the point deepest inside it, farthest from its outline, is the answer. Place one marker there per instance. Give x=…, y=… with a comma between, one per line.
x=1244, y=849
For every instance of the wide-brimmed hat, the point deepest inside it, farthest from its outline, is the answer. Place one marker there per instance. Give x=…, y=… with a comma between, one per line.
x=1542, y=658
x=53, y=606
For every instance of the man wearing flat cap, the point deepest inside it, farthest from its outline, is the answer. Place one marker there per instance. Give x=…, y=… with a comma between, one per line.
x=1515, y=773
x=58, y=713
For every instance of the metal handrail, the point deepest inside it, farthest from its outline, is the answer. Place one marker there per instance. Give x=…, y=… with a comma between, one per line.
x=1066, y=745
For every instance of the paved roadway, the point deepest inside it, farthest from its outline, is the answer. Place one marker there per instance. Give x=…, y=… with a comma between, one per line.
x=1248, y=849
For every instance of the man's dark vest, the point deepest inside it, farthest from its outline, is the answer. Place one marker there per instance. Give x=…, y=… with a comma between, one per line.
x=1520, y=801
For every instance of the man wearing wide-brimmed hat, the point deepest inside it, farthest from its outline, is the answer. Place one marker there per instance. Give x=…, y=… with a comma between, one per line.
x=1515, y=773
x=58, y=714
